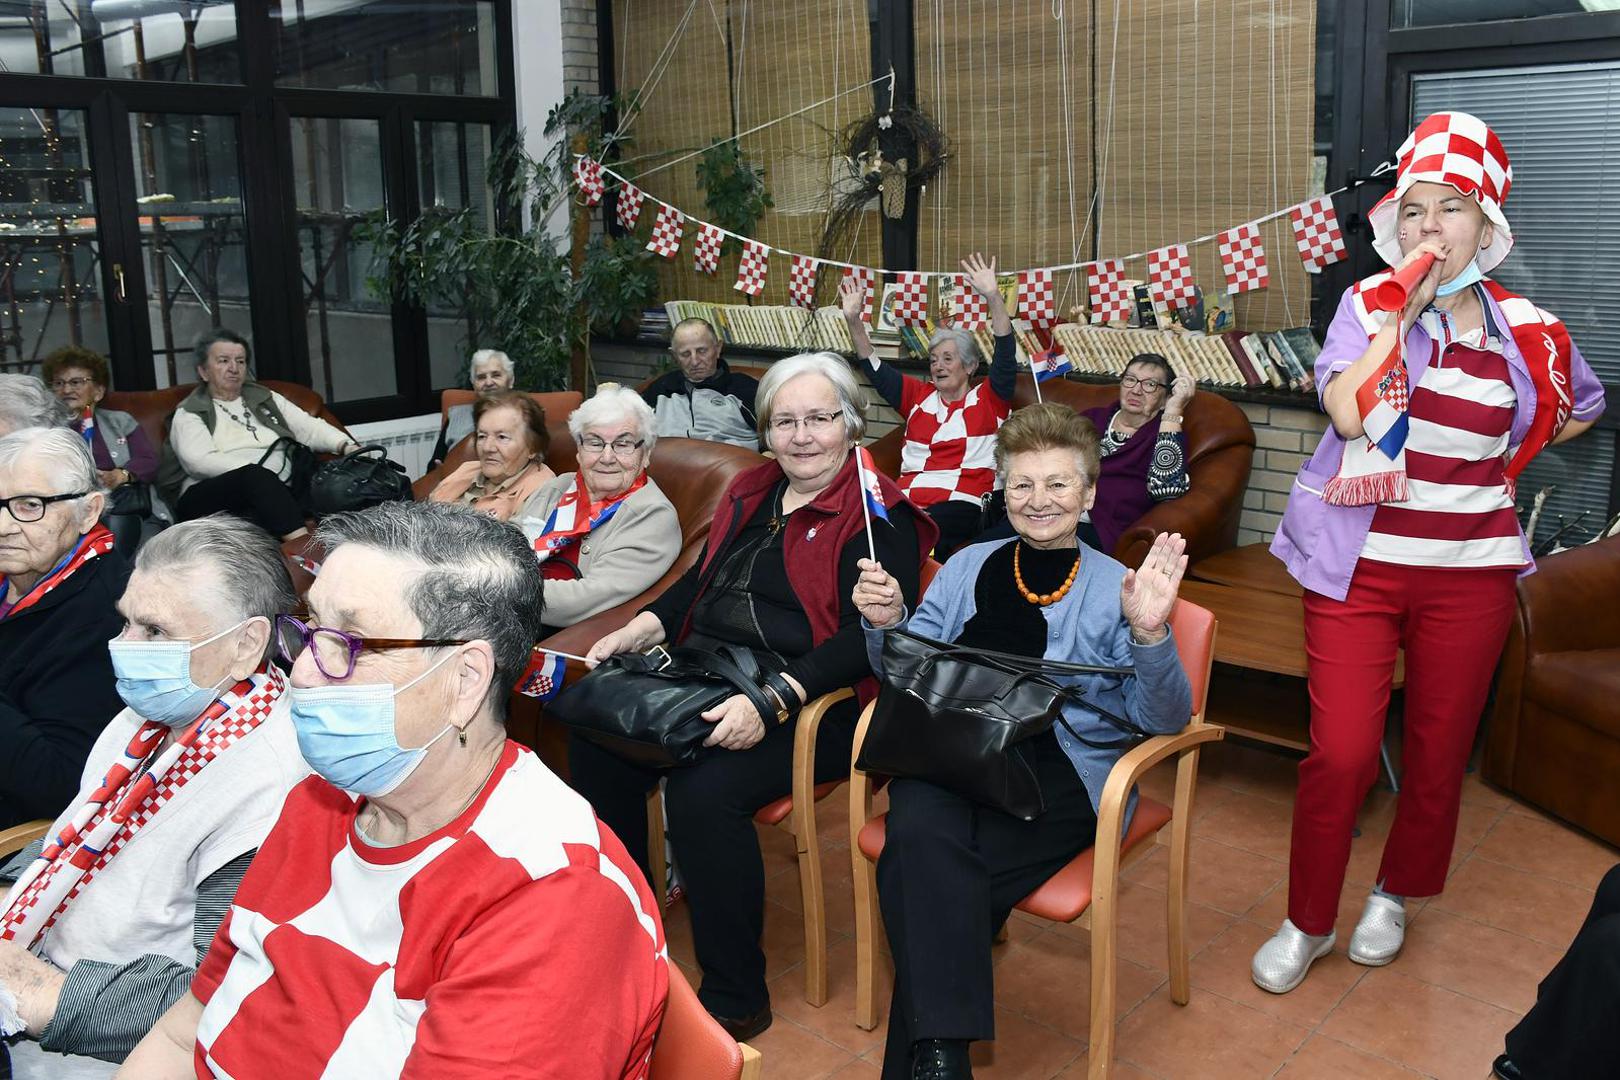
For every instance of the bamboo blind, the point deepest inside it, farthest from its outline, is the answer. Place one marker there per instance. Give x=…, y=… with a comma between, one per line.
x=785, y=54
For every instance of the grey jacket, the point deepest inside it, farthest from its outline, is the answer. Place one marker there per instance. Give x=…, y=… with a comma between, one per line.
x=618, y=562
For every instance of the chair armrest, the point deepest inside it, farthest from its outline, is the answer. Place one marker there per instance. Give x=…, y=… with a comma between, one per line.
x=1207, y=516
x=804, y=747
x=860, y=782
x=1572, y=601
x=1130, y=768
x=17, y=837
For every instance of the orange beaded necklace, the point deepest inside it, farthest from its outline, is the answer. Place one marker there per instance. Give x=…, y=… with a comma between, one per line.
x=1043, y=599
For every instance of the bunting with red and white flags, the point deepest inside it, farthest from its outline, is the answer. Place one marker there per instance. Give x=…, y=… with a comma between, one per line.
x=1109, y=296
x=666, y=234
x=751, y=271
x=911, y=299
x=972, y=310
x=1170, y=279
x=588, y=177
x=1317, y=232
x=1243, y=259
x=629, y=207
x=1037, y=298
x=802, y=281
x=866, y=278
x=706, y=249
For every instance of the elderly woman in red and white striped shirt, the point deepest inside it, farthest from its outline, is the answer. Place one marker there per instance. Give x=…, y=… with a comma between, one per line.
x=1402, y=529
x=948, y=465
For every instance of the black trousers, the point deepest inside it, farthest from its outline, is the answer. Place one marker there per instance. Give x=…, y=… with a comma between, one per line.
x=710, y=808
x=1571, y=1030
x=959, y=523
x=252, y=492
x=950, y=873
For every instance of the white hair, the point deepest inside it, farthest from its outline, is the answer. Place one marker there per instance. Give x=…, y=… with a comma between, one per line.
x=65, y=455
x=614, y=402
x=484, y=356
x=25, y=402
x=967, y=346
x=252, y=576
x=829, y=366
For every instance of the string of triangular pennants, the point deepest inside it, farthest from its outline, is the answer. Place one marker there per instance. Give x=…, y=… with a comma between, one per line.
x=1317, y=235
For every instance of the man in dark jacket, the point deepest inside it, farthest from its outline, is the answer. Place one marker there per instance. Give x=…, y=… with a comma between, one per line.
x=703, y=399
x=60, y=578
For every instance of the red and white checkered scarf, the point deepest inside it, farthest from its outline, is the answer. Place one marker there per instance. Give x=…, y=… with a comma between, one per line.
x=133, y=790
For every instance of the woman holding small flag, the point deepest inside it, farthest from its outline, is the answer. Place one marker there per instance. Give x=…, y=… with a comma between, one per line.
x=1402, y=527
x=777, y=577
x=947, y=466
x=604, y=534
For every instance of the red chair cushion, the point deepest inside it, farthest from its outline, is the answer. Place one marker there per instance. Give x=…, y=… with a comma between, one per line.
x=777, y=812
x=1067, y=893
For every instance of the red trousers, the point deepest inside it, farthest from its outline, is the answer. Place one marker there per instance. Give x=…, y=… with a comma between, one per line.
x=1452, y=624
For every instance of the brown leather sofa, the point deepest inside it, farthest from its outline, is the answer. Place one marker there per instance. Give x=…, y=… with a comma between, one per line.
x=1554, y=738
x=557, y=405
x=153, y=409
x=1220, y=451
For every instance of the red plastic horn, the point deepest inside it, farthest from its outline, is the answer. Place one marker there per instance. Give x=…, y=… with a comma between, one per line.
x=1391, y=295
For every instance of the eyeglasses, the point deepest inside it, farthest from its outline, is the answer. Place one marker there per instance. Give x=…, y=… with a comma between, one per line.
x=71, y=384
x=30, y=508
x=336, y=651
x=1149, y=386
x=816, y=423
x=623, y=446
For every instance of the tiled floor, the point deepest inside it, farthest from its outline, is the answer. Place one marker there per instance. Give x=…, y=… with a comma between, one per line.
x=1519, y=887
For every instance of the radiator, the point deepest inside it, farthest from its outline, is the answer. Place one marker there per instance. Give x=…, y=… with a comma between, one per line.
x=409, y=441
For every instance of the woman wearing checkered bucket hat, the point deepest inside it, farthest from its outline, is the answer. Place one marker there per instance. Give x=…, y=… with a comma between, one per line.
x=1403, y=531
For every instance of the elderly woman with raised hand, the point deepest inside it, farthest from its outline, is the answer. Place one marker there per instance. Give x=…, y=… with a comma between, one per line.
x=509, y=459
x=1402, y=530
x=224, y=435
x=604, y=534
x=1039, y=594
x=25, y=402
x=59, y=579
x=126, y=460
x=947, y=466
x=179, y=791
x=775, y=577
x=435, y=902
x=1144, y=453
x=491, y=372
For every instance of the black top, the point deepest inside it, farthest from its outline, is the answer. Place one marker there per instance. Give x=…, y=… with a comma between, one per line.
x=56, y=688
x=1003, y=620
x=750, y=601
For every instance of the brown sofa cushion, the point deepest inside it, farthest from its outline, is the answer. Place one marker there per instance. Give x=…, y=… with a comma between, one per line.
x=154, y=408
x=1582, y=684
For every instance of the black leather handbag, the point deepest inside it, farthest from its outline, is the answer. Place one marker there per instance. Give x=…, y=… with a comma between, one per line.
x=362, y=478
x=646, y=707
x=961, y=718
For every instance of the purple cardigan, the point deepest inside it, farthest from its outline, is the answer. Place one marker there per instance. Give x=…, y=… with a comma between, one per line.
x=1122, y=486
x=1321, y=543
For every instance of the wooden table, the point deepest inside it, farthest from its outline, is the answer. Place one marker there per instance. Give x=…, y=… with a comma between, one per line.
x=1252, y=566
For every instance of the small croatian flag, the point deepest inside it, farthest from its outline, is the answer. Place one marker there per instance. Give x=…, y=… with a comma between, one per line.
x=869, y=484
x=1050, y=364
x=87, y=425
x=544, y=678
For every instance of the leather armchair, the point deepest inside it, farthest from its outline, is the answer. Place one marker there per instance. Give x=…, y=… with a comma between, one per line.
x=153, y=409
x=1220, y=451
x=558, y=405
x=1554, y=737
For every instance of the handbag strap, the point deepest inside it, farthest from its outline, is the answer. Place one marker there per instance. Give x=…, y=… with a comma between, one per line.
x=1014, y=662
x=273, y=447
x=734, y=665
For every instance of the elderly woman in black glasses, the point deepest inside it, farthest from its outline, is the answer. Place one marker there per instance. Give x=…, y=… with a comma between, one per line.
x=605, y=534
x=1144, y=454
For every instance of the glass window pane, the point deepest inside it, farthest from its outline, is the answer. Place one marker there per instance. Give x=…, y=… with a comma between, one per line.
x=419, y=47
x=452, y=170
x=50, y=280
x=337, y=184
x=1404, y=13
x=163, y=40
x=193, y=238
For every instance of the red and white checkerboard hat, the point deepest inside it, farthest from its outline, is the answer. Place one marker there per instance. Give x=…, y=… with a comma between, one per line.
x=1457, y=149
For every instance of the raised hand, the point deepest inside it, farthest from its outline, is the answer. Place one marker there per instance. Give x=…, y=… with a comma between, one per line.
x=1147, y=594
x=981, y=275
x=877, y=595
x=852, y=298
x=1181, y=392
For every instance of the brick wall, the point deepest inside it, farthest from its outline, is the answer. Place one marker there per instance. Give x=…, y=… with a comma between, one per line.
x=1284, y=438
x=579, y=45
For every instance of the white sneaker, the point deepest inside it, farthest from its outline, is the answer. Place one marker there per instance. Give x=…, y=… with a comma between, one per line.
x=1281, y=963
x=1380, y=932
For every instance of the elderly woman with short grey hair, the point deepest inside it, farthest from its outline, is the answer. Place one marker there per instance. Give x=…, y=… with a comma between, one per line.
x=179, y=791
x=59, y=579
x=947, y=466
x=435, y=900
x=26, y=402
x=776, y=578
x=605, y=534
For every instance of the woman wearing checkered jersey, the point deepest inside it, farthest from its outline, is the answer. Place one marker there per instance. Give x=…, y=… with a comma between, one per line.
x=1403, y=531
x=948, y=464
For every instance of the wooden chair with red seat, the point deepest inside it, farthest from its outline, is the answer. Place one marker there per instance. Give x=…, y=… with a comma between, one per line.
x=691, y=1045
x=801, y=824
x=17, y=837
x=1087, y=889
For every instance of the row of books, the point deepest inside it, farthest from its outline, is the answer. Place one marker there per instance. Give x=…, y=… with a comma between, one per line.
x=1280, y=359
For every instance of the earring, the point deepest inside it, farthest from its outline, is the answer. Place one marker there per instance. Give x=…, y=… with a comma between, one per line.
x=461, y=736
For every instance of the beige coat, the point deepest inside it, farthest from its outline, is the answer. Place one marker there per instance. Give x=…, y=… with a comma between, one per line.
x=617, y=562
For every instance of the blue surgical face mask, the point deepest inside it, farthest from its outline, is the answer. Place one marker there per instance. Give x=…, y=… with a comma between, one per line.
x=346, y=733
x=154, y=678
x=1457, y=284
